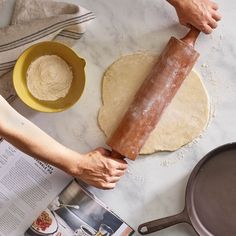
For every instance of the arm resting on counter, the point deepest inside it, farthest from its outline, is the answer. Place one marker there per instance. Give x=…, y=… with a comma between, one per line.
x=96, y=168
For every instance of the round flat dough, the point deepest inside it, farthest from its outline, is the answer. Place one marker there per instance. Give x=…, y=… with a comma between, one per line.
x=182, y=121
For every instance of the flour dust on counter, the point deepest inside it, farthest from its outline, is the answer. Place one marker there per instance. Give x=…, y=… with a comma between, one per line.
x=183, y=120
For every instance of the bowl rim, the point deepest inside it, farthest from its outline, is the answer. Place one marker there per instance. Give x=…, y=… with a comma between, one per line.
x=14, y=77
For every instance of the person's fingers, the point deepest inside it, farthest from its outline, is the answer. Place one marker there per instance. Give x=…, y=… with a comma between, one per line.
x=101, y=183
x=212, y=24
x=207, y=29
x=121, y=165
x=119, y=173
x=216, y=15
x=214, y=6
x=113, y=179
x=118, y=164
x=107, y=186
x=115, y=172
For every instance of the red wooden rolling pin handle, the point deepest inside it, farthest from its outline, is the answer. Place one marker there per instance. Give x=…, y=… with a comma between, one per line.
x=154, y=95
x=191, y=37
x=116, y=155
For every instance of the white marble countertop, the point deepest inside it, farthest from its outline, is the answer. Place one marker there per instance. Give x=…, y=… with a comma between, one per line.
x=154, y=186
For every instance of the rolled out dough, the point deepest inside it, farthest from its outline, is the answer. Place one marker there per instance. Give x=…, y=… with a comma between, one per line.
x=182, y=121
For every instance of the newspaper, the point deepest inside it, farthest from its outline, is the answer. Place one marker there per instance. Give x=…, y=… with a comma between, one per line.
x=39, y=199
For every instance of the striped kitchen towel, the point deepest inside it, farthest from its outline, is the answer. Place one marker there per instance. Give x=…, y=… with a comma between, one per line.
x=35, y=21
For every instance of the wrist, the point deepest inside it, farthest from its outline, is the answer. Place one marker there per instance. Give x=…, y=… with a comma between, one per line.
x=72, y=163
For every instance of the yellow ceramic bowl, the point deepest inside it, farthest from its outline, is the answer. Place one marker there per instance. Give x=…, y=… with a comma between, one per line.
x=49, y=48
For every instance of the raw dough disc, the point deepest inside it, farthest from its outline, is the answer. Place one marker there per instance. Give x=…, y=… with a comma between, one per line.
x=182, y=121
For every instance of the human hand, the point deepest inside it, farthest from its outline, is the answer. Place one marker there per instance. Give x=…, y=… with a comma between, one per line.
x=98, y=169
x=202, y=14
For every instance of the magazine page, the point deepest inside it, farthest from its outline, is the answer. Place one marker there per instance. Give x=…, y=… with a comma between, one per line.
x=26, y=187
x=76, y=212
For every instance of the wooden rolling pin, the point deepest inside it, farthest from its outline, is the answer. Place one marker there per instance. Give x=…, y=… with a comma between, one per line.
x=154, y=95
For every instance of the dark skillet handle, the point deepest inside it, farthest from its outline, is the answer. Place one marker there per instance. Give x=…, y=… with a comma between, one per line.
x=156, y=225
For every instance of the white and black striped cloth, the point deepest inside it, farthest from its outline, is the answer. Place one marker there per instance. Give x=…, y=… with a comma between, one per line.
x=35, y=21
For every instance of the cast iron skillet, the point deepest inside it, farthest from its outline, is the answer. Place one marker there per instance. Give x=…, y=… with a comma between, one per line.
x=210, y=197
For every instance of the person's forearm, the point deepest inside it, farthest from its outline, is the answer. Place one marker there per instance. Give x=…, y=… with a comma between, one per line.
x=95, y=168
x=30, y=139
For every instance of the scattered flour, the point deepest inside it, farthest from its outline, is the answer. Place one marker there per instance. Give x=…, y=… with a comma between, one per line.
x=172, y=160
x=204, y=65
